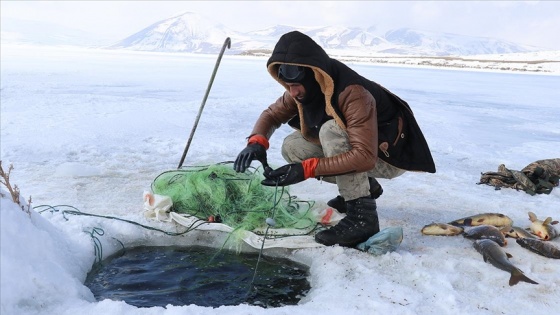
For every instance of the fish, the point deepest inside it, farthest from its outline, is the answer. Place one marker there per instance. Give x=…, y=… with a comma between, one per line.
x=495, y=219
x=495, y=255
x=517, y=232
x=540, y=247
x=543, y=229
x=441, y=229
x=489, y=232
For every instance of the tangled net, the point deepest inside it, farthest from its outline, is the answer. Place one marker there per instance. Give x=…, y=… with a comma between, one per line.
x=235, y=199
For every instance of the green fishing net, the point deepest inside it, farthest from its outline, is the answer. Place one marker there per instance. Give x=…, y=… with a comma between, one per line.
x=218, y=193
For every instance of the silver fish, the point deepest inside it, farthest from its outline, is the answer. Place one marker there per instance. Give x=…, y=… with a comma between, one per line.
x=540, y=247
x=495, y=255
x=543, y=229
x=495, y=219
x=489, y=232
x=517, y=232
x=441, y=229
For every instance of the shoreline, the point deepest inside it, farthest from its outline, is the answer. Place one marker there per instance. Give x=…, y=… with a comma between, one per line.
x=543, y=63
x=517, y=66
x=512, y=63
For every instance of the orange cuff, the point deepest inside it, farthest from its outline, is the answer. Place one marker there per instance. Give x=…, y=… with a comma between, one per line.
x=260, y=140
x=309, y=167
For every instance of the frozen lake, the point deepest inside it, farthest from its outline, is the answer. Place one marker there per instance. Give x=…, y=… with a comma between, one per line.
x=93, y=128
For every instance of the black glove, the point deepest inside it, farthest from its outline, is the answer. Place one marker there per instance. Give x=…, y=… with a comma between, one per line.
x=251, y=152
x=286, y=175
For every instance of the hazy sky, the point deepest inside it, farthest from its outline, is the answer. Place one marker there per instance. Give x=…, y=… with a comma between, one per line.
x=525, y=22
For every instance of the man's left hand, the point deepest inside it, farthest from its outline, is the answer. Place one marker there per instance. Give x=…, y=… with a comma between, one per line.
x=286, y=175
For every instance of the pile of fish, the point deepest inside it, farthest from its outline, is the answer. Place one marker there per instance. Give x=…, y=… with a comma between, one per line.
x=489, y=232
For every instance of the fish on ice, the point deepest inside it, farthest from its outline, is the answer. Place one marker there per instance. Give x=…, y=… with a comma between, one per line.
x=540, y=247
x=495, y=255
x=495, y=219
x=543, y=229
x=489, y=232
x=441, y=229
x=517, y=232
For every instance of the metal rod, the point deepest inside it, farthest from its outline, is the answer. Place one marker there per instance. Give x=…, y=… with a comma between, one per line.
x=227, y=44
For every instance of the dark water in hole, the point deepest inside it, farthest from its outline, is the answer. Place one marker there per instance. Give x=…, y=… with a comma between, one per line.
x=158, y=276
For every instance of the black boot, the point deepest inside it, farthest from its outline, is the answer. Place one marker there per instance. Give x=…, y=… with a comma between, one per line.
x=339, y=203
x=361, y=223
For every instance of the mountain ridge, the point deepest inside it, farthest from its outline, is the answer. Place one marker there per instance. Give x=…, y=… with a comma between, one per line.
x=193, y=33
x=173, y=37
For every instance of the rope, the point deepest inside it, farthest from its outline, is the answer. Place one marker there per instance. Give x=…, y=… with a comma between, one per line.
x=97, y=247
x=97, y=231
x=193, y=226
x=251, y=286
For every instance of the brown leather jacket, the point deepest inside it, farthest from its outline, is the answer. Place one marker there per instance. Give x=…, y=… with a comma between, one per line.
x=357, y=106
x=379, y=124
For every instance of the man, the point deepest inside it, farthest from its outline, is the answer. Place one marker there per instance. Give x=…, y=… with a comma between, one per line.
x=349, y=131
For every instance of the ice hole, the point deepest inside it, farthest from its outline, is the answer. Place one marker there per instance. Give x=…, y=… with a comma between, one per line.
x=161, y=275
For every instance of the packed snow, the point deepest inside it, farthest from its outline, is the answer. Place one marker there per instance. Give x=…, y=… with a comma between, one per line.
x=91, y=129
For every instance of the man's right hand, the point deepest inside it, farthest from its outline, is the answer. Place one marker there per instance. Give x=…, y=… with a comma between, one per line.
x=254, y=151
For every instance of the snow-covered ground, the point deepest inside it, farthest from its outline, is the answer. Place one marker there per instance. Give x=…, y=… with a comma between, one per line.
x=92, y=128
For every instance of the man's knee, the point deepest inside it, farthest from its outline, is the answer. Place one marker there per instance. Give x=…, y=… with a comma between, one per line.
x=289, y=145
x=330, y=130
x=296, y=149
x=334, y=139
x=385, y=170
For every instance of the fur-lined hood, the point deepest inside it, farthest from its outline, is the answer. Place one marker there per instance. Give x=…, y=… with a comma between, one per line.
x=296, y=48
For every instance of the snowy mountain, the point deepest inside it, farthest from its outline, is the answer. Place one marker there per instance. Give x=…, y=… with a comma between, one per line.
x=191, y=32
x=187, y=32
x=340, y=37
